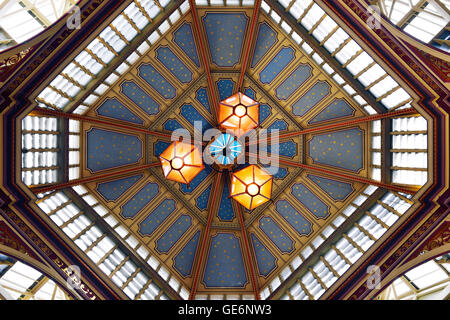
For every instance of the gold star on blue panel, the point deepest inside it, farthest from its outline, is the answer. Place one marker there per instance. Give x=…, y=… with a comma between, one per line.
x=265, y=40
x=113, y=108
x=166, y=56
x=276, y=234
x=225, y=266
x=140, y=97
x=173, y=234
x=185, y=258
x=140, y=200
x=319, y=91
x=225, y=33
x=293, y=82
x=293, y=217
x=184, y=39
x=338, y=108
x=276, y=65
x=342, y=149
x=157, y=217
x=157, y=81
x=112, y=190
x=310, y=201
x=265, y=260
x=335, y=189
x=109, y=149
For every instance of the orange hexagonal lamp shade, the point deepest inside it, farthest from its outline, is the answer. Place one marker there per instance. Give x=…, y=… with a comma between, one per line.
x=181, y=162
x=251, y=186
x=239, y=113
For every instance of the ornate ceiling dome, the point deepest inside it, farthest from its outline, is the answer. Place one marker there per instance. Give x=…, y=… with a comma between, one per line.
x=353, y=149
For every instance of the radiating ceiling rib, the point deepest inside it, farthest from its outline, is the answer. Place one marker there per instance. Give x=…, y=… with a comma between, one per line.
x=200, y=41
x=200, y=253
x=117, y=124
x=248, y=251
x=250, y=44
x=349, y=177
x=113, y=174
x=341, y=124
x=326, y=56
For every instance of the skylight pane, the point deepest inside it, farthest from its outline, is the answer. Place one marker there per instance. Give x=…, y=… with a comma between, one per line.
x=313, y=15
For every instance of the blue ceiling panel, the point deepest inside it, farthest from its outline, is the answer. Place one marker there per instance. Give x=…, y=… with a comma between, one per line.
x=225, y=88
x=311, y=98
x=225, y=265
x=174, y=233
x=296, y=79
x=342, y=149
x=226, y=212
x=192, y=115
x=306, y=197
x=265, y=260
x=140, y=200
x=293, y=217
x=140, y=97
x=338, y=108
x=189, y=188
x=112, y=190
x=113, y=108
x=225, y=33
x=110, y=149
x=183, y=37
x=166, y=56
x=185, y=258
x=202, y=200
x=157, y=81
x=276, y=66
x=160, y=146
x=265, y=40
x=276, y=234
x=202, y=96
x=335, y=189
x=157, y=217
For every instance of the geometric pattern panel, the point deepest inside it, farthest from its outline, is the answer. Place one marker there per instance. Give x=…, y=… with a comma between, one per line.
x=225, y=265
x=109, y=149
x=342, y=149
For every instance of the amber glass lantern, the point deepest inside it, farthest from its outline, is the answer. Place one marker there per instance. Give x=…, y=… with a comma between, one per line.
x=181, y=162
x=239, y=113
x=251, y=186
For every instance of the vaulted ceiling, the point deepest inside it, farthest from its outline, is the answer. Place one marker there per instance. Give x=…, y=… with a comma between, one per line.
x=200, y=241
